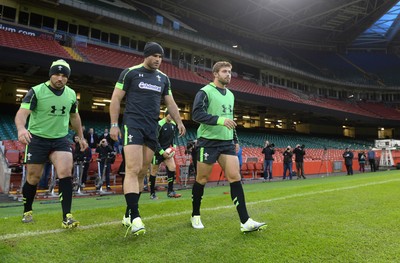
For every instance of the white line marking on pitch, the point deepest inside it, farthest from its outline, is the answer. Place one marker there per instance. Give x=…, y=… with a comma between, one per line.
x=36, y=233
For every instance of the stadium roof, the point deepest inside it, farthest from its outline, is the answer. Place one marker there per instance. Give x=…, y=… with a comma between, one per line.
x=382, y=31
x=314, y=23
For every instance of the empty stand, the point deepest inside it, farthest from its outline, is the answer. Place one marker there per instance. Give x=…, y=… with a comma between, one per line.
x=380, y=110
x=108, y=56
x=33, y=44
x=121, y=59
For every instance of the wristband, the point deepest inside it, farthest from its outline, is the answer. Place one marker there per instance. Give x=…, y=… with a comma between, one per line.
x=114, y=125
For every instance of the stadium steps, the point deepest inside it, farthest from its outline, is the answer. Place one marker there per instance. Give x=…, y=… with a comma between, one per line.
x=74, y=54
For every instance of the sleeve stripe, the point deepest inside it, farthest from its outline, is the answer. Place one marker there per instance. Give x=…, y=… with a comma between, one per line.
x=25, y=106
x=119, y=85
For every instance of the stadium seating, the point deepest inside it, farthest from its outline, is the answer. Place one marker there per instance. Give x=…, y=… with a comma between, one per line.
x=380, y=110
x=259, y=169
x=123, y=59
x=118, y=58
x=13, y=158
x=33, y=44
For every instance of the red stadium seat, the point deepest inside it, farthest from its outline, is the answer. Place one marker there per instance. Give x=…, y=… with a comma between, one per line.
x=259, y=169
x=244, y=171
x=251, y=168
x=13, y=158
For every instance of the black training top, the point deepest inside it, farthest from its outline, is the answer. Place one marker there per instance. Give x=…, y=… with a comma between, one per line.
x=144, y=89
x=166, y=134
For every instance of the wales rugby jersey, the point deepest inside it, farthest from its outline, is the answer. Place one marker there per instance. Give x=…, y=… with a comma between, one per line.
x=144, y=89
x=51, y=110
x=166, y=134
x=212, y=105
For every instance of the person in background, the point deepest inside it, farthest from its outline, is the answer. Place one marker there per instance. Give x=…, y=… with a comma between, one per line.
x=299, y=159
x=85, y=157
x=268, y=152
x=348, y=161
x=106, y=135
x=165, y=133
x=107, y=157
x=361, y=161
x=191, y=151
x=371, y=159
x=287, y=162
x=84, y=131
x=92, y=139
x=44, y=180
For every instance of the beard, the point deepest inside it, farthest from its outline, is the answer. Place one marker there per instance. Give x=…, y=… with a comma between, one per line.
x=224, y=81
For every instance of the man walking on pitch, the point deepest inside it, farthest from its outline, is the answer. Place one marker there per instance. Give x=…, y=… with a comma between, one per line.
x=166, y=133
x=217, y=141
x=51, y=106
x=143, y=85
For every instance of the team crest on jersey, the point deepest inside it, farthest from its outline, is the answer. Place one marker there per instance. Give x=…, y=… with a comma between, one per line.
x=158, y=77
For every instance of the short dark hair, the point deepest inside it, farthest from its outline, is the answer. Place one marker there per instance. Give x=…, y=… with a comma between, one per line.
x=220, y=64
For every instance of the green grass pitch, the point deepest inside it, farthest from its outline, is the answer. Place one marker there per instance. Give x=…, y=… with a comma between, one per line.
x=330, y=219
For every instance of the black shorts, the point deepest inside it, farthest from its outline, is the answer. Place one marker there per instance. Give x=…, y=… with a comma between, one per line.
x=139, y=136
x=157, y=159
x=211, y=154
x=39, y=149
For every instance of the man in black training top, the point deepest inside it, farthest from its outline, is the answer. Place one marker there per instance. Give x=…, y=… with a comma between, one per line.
x=51, y=106
x=217, y=141
x=143, y=85
x=166, y=134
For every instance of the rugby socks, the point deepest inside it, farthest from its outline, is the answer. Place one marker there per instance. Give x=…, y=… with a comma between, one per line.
x=132, y=202
x=170, y=178
x=127, y=211
x=65, y=195
x=237, y=196
x=152, y=181
x=28, y=195
x=197, y=195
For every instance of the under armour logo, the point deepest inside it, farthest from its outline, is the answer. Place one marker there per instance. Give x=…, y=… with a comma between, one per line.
x=225, y=109
x=130, y=138
x=158, y=77
x=54, y=109
x=141, y=75
x=29, y=156
x=206, y=156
